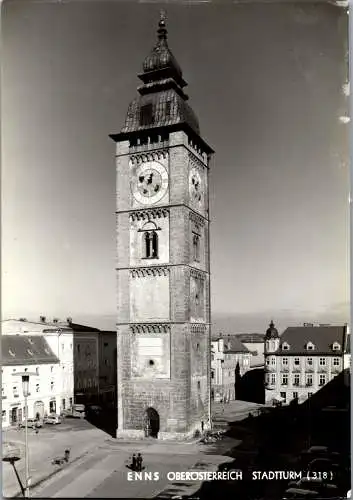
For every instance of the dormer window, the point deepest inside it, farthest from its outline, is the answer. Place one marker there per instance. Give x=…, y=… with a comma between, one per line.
x=146, y=115
x=336, y=346
x=285, y=346
x=30, y=352
x=30, y=341
x=310, y=346
x=167, y=109
x=12, y=353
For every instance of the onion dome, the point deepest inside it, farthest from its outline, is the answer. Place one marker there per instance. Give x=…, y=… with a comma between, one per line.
x=271, y=332
x=161, y=56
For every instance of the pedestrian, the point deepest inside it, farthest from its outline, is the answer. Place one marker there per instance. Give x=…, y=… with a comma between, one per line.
x=134, y=462
x=139, y=460
x=202, y=425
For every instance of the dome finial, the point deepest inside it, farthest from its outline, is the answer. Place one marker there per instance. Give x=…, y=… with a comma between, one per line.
x=162, y=30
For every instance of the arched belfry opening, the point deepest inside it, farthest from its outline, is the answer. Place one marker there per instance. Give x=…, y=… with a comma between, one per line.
x=151, y=423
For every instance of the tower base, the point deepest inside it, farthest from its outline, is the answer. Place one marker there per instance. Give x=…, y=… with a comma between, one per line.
x=139, y=435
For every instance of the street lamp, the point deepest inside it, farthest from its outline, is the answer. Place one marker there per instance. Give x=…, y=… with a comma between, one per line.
x=25, y=388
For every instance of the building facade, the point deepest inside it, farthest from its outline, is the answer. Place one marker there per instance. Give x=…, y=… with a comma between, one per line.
x=163, y=302
x=230, y=359
x=255, y=343
x=31, y=354
x=302, y=360
x=95, y=368
x=59, y=337
x=86, y=355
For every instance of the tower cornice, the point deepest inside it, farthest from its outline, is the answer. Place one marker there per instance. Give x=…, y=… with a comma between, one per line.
x=184, y=127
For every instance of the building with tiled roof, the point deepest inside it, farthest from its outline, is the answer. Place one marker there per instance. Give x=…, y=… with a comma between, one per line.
x=304, y=359
x=29, y=350
x=229, y=359
x=87, y=358
x=254, y=342
x=59, y=336
x=31, y=354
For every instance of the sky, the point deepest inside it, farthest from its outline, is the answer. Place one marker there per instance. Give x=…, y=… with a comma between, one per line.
x=265, y=81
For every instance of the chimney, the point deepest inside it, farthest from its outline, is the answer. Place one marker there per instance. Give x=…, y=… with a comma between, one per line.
x=55, y=320
x=308, y=324
x=42, y=319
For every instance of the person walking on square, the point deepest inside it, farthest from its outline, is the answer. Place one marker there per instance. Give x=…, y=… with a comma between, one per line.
x=134, y=462
x=139, y=460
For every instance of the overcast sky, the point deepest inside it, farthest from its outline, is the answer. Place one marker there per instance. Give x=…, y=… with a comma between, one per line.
x=265, y=81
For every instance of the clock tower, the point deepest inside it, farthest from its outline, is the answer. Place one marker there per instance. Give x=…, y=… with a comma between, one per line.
x=163, y=269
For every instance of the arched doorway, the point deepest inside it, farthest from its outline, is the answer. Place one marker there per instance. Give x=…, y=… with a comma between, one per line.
x=52, y=406
x=38, y=410
x=151, y=423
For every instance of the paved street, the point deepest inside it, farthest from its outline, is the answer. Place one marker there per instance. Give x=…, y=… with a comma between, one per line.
x=98, y=463
x=77, y=435
x=104, y=472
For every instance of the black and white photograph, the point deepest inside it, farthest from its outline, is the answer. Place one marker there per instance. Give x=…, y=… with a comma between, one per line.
x=175, y=249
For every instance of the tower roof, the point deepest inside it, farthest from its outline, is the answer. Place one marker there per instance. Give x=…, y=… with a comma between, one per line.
x=271, y=332
x=162, y=100
x=161, y=57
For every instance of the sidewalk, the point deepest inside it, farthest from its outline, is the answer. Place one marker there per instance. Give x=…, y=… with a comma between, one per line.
x=43, y=448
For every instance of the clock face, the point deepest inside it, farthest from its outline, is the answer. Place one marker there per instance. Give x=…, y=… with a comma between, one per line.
x=195, y=186
x=150, y=183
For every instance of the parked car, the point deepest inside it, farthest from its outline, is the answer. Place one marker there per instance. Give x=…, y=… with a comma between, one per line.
x=299, y=493
x=31, y=423
x=79, y=410
x=323, y=465
x=325, y=490
x=94, y=410
x=52, y=419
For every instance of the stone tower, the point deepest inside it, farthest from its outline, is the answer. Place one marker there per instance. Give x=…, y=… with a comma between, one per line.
x=163, y=269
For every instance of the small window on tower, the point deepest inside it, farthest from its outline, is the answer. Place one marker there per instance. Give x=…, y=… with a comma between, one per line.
x=146, y=114
x=150, y=244
x=196, y=247
x=167, y=109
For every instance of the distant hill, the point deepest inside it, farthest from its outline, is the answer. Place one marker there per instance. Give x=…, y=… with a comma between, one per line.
x=244, y=323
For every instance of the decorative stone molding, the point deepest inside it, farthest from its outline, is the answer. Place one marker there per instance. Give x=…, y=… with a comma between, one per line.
x=197, y=219
x=150, y=214
x=150, y=328
x=197, y=274
x=196, y=162
x=157, y=155
x=142, y=272
x=198, y=329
